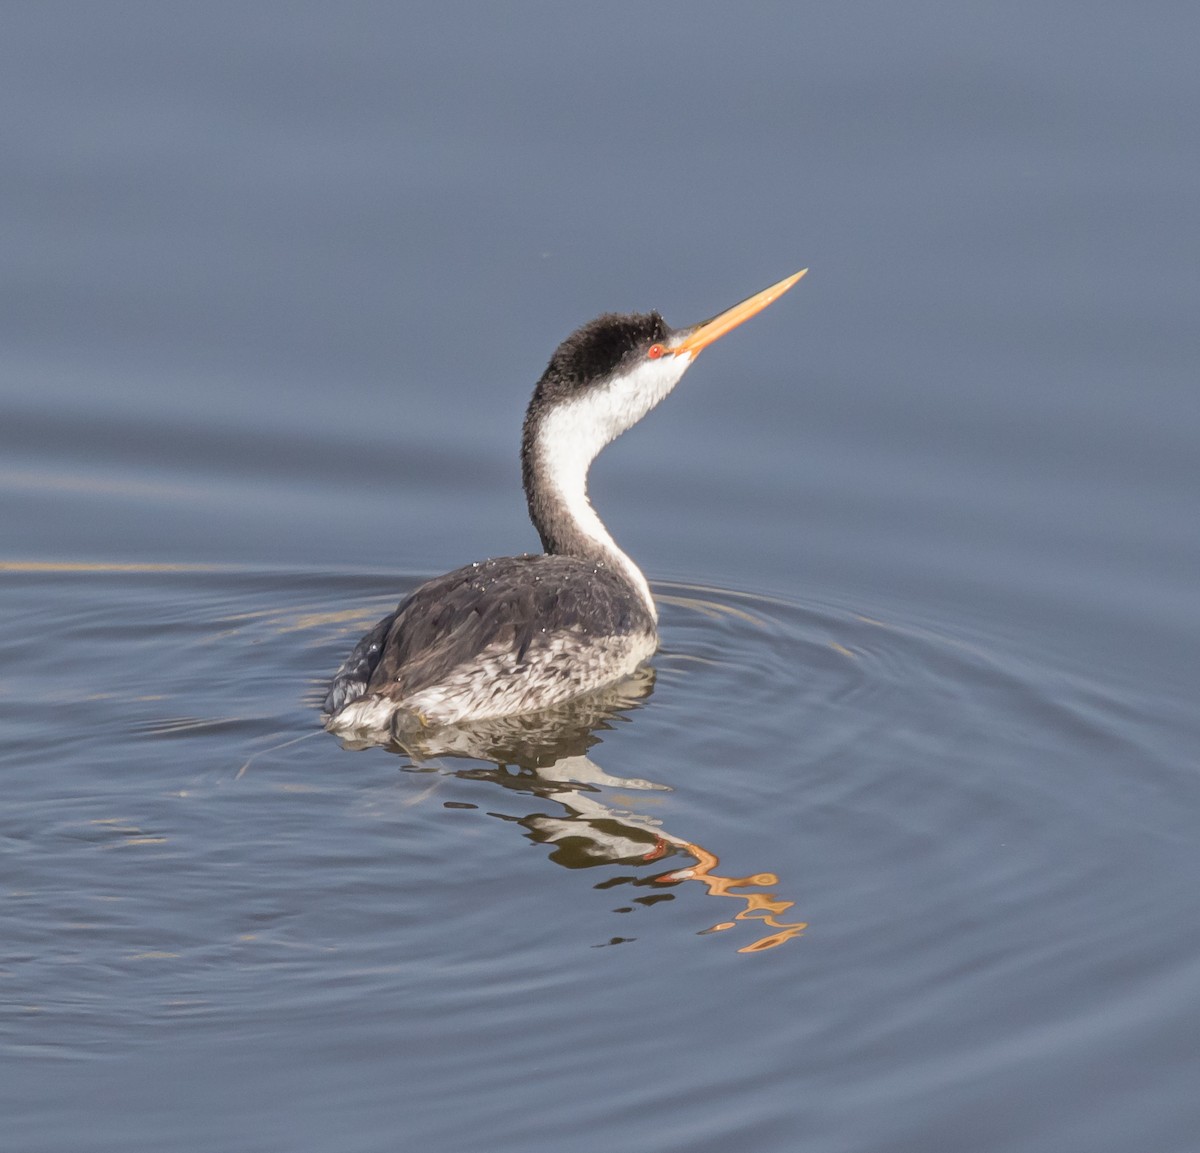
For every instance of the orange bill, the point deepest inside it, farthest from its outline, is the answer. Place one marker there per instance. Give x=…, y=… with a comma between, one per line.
x=693, y=339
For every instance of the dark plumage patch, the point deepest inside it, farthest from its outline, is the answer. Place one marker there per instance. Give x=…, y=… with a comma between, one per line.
x=521, y=603
x=596, y=351
x=351, y=680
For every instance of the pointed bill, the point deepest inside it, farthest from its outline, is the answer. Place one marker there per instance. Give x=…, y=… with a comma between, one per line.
x=692, y=340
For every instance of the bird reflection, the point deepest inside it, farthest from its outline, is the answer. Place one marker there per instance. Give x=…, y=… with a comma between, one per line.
x=546, y=755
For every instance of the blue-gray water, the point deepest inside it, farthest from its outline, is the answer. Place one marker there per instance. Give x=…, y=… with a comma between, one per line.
x=276, y=283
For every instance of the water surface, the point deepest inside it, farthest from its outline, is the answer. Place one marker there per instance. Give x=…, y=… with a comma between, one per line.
x=894, y=846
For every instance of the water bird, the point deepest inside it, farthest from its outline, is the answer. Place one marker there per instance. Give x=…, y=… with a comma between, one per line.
x=518, y=634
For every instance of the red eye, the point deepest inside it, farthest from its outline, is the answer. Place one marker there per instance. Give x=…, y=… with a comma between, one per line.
x=655, y=351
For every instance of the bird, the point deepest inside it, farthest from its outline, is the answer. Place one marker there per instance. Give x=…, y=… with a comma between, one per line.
x=520, y=634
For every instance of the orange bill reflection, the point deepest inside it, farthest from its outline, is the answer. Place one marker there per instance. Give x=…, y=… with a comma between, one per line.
x=760, y=906
x=598, y=819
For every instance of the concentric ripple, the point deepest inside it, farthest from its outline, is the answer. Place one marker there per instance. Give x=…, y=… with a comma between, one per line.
x=853, y=832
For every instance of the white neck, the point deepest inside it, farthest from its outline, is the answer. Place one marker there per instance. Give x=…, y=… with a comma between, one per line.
x=572, y=435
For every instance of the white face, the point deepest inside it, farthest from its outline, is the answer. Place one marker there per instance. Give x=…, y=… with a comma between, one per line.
x=576, y=431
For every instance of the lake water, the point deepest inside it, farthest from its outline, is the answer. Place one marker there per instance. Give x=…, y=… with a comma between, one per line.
x=894, y=847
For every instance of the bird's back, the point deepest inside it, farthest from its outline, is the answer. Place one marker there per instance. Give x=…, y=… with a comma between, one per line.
x=501, y=636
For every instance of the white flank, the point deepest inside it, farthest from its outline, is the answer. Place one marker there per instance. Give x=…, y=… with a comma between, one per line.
x=495, y=683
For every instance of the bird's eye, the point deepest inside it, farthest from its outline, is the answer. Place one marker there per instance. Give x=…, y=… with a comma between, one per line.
x=655, y=351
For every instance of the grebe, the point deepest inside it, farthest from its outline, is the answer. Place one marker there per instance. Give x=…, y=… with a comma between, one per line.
x=517, y=634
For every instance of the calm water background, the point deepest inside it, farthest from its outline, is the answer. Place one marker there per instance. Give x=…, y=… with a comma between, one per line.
x=276, y=283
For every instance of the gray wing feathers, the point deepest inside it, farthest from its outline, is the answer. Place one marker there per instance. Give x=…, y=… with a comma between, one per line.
x=351, y=680
x=510, y=602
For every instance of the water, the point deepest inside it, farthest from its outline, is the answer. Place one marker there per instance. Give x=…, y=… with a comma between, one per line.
x=894, y=849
